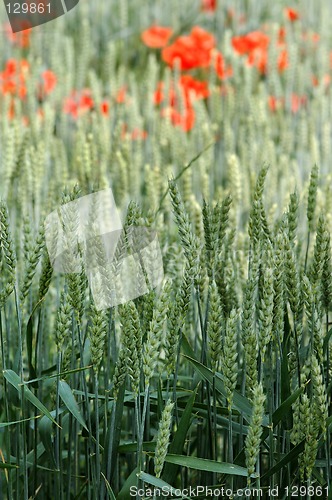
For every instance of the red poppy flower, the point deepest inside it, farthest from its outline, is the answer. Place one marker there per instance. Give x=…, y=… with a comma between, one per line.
x=121, y=95
x=315, y=81
x=203, y=39
x=14, y=67
x=156, y=37
x=245, y=44
x=255, y=46
x=78, y=103
x=297, y=102
x=189, y=87
x=158, y=95
x=209, y=5
x=259, y=59
x=221, y=69
x=190, y=51
x=184, y=120
x=310, y=37
x=275, y=103
x=282, y=34
x=21, y=39
x=181, y=52
x=105, y=108
x=291, y=14
x=138, y=134
x=49, y=81
x=193, y=89
x=13, y=78
x=11, y=114
x=326, y=80
x=315, y=37
x=282, y=60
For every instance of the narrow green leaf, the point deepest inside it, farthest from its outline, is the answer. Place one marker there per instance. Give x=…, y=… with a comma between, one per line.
x=70, y=402
x=240, y=403
x=5, y=465
x=31, y=456
x=186, y=348
x=207, y=465
x=36, y=453
x=61, y=374
x=46, y=436
x=329, y=421
x=7, y=424
x=108, y=488
x=288, y=458
x=285, y=406
x=16, y=382
x=131, y=481
x=281, y=411
x=132, y=447
x=327, y=339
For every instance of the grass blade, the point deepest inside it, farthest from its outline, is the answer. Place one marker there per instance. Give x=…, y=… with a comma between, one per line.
x=207, y=465
x=69, y=400
x=240, y=403
x=17, y=383
x=109, y=490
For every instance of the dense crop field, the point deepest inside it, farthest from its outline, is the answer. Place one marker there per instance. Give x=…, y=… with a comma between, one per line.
x=211, y=122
